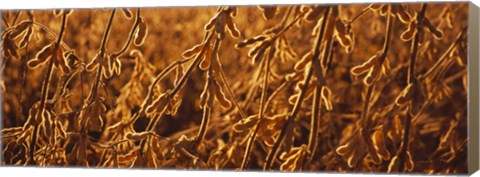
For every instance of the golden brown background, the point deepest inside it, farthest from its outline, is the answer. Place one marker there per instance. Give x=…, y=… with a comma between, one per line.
x=130, y=118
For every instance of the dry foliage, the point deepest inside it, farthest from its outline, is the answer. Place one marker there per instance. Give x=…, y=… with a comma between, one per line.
x=365, y=88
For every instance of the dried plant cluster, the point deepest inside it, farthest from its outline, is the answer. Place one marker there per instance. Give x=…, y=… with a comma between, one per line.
x=364, y=88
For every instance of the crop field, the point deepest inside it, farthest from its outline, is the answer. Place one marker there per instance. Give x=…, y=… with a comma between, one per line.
x=322, y=88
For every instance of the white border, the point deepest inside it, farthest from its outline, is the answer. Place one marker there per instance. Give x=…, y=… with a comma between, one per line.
x=45, y=4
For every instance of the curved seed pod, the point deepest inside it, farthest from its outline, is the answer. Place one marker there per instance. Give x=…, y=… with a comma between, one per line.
x=232, y=28
x=26, y=38
x=364, y=67
x=340, y=27
x=344, y=40
x=258, y=56
x=21, y=28
x=384, y=10
x=408, y=34
x=268, y=12
x=373, y=75
x=193, y=51
x=437, y=33
x=141, y=33
x=344, y=149
x=233, y=11
x=246, y=124
x=256, y=49
x=269, y=140
x=62, y=62
x=403, y=15
x=300, y=65
x=57, y=12
x=41, y=56
x=409, y=165
x=250, y=41
x=378, y=140
x=352, y=160
x=127, y=13
x=137, y=136
x=326, y=97
x=220, y=96
x=292, y=99
x=34, y=63
x=92, y=65
x=405, y=96
x=207, y=58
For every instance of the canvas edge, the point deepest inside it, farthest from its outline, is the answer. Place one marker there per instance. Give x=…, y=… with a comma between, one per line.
x=473, y=88
x=473, y=82
x=1, y=98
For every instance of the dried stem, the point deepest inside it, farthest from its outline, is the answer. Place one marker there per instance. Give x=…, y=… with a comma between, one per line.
x=5, y=21
x=445, y=54
x=93, y=92
x=261, y=111
x=358, y=15
x=207, y=110
x=314, y=123
x=411, y=78
x=45, y=86
x=230, y=93
x=130, y=36
x=274, y=151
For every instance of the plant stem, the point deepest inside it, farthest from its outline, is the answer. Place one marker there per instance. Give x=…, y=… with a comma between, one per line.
x=207, y=109
x=364, y=10
x=130, y=35
x=93, y=92
x=411, y=78
x=16, y=17
x=261, y=111
x=314, y=122
x=5, y=21
x=45, y=86
x=274, y=151
x=230, y=93
x=444, y=55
